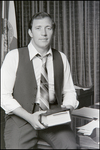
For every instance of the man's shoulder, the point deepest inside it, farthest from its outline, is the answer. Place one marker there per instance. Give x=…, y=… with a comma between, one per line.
x=61, y=53
x=23, y=48
x=11, y=56
x=14, y=52
x=23, y=51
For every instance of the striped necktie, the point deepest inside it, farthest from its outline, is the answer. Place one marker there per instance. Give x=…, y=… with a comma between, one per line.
x=44, y=93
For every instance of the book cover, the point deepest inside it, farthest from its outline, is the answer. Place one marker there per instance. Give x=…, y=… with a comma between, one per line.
x=56, y=116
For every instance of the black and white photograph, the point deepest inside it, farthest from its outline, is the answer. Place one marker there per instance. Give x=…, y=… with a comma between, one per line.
x=50, y=96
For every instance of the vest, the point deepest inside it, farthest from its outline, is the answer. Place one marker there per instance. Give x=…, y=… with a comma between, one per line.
x=25, y=88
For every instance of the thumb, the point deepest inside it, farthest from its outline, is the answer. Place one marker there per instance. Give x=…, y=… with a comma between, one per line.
x=42, y=112
x=63, y=106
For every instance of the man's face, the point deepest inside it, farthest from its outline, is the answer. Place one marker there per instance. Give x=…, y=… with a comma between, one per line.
x=41, y=33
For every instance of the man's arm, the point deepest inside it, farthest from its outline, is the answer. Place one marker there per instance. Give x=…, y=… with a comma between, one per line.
x=33, y=119
x=69, y=93
x=8, y=103
x=8, y=76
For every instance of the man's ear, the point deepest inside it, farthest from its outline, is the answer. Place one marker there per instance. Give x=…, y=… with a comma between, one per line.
x=30, y=33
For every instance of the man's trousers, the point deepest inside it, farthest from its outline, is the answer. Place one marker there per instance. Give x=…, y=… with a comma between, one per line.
x=59, y=137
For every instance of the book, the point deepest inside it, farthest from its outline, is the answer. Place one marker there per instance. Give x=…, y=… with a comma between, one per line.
x=56, y=116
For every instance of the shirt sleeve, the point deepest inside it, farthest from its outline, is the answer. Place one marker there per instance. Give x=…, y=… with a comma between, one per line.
x=69, y=93
x=8, y=76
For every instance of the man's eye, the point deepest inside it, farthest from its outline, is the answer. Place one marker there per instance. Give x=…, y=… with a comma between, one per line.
x=49, y=28
x=37, y=28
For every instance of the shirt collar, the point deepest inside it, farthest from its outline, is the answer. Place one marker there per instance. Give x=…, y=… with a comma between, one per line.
x=33, y=52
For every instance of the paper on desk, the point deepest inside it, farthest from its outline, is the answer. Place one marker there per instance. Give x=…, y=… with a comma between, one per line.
x=87, y=112
x=88, y=128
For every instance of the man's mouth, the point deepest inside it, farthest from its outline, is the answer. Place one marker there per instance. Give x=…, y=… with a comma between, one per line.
x=44, y=39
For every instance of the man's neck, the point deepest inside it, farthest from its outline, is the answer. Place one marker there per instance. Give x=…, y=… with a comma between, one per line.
x=41, y=50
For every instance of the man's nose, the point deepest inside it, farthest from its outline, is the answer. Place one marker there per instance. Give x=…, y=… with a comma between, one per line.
x=43, y=32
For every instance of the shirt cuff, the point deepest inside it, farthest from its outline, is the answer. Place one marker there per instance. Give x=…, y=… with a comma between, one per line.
x=74, y=104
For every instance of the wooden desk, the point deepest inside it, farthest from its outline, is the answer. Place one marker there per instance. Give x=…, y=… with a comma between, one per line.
x=86, y=141
x=85, y=97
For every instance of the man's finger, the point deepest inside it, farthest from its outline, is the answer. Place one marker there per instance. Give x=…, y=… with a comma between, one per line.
x=41, y=112
x=40, y=126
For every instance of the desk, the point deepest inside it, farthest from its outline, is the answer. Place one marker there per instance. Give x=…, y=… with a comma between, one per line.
x=84, y=142
x=85, y=96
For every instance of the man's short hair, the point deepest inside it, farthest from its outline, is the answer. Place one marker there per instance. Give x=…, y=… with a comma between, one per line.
x=40, y=15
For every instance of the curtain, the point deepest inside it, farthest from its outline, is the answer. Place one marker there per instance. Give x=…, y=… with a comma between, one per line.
x=77, y=35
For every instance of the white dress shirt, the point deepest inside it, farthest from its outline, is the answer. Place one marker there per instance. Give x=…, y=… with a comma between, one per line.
x=8, y=77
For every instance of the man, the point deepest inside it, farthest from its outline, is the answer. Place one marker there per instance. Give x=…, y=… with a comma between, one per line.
x=21, y=98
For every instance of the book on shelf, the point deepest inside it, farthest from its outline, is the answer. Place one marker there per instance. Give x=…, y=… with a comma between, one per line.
x=56, y=116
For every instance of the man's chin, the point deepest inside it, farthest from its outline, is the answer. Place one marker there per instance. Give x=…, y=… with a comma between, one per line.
x=44, y=46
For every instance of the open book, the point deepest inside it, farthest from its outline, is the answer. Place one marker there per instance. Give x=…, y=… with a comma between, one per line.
x=56, y=116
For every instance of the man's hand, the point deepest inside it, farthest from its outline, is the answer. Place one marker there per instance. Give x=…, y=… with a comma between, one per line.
x=68, y=107
x=35, y=120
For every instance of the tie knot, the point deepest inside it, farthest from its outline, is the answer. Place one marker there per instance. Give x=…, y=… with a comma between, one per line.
x=44, y=58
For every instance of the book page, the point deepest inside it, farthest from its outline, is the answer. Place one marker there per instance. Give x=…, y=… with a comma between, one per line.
x=88, y=128
x=56, y=118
